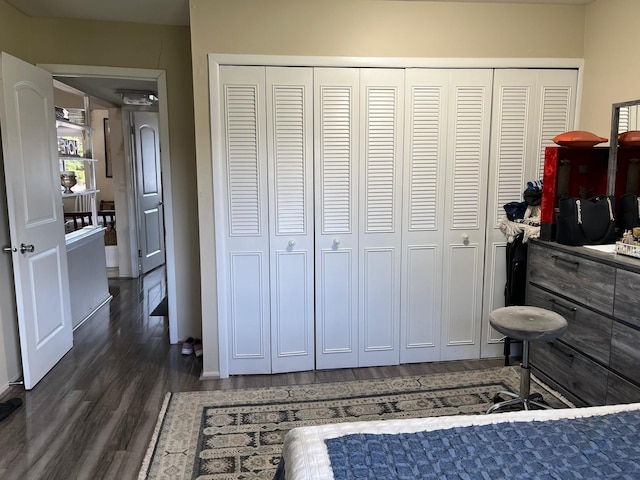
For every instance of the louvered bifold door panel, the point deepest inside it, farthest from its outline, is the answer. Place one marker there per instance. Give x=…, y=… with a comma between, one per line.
x=380, y=206
x=426, y=94
x=556, y=97
x=336, y=130
x=244, y=257
x=514, y=112
x=530, y=107
x=465, y=218
x=290, y=162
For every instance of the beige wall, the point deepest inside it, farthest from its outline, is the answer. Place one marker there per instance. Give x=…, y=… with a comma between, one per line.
x=14, y=31
x=612, y=61
x=74, y=42
x=371, y=28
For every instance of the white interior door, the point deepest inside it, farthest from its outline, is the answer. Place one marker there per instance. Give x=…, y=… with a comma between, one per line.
x=336, y=102
x=243, y=259
x=38, y=249
x=530, y=107
x=149, y=191
x=380, y=217
x=291, y=223
x=465, y=218
x=426, y=113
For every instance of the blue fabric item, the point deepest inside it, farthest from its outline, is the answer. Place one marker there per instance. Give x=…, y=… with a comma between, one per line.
x=534, y=185
x=598, y=447
x=515, y=210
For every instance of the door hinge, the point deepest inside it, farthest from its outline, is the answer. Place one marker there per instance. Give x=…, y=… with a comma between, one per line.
x=133, y=130
x=139, y=253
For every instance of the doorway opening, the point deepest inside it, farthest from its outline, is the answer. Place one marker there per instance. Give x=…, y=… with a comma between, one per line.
x=136, y=180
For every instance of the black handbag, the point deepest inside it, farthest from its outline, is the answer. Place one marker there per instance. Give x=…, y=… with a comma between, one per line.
x=586, y=221
x=629, y=212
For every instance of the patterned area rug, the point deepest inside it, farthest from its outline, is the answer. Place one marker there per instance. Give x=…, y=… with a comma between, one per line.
x=238, y=434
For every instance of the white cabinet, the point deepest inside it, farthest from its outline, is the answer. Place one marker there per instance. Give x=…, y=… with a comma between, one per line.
x=356, y=206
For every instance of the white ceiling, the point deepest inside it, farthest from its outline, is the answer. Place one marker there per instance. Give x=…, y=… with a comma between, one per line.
x=163, y=12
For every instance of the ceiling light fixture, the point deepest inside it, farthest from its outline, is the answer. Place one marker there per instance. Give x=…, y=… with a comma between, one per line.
x=138, y=97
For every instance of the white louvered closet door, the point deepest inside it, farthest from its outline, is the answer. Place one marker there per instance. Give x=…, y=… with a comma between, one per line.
x=465, y=211
x=530, y=107
x=380, y=217
x=291, y=219
x=426, y=103
x=243, y=260
x=336, y=107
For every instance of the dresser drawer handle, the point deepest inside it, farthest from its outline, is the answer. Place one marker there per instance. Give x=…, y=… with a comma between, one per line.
x=566, y=307
x=556, y=257
x=554, y=346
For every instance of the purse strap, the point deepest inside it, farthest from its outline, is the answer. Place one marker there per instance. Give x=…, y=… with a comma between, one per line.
x=610, y=228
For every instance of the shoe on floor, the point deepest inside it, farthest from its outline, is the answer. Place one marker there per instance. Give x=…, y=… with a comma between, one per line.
x=197, y=347
x=187, y=346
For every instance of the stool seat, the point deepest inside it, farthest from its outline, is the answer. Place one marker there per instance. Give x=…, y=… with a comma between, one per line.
x=528, y=323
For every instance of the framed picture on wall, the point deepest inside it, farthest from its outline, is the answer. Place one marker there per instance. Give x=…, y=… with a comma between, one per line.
x=107, y=150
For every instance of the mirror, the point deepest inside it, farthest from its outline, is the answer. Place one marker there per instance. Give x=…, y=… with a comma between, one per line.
x=625, y=117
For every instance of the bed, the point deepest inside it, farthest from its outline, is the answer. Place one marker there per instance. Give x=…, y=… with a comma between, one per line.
x=592, y=442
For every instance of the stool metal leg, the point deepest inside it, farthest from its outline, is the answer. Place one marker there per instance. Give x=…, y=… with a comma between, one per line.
x=522, y=398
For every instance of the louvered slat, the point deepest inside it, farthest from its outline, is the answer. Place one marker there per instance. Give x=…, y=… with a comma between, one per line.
x=514, y=115
x=425, y=134
x=336, y=159
x=467, y=157
x=380, y=156
x=242, y=160
x=556, y=105
x=623, y=120
x=289, y=145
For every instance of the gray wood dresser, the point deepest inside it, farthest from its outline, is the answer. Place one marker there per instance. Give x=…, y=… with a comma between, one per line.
x=597, y=360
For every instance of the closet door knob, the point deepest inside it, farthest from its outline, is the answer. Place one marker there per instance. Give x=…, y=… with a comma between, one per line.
x=292, y=243
x=336, y=242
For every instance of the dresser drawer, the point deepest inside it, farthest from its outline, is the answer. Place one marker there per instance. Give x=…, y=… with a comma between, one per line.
x=625, y=306
x=620, y=390
x=585, y=281
x=587, y=331
x=574, y=372
x=625, y=351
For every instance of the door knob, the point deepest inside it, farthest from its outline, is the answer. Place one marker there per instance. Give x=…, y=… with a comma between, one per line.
x=292, y=243
x=26, y=248
x=336, y=242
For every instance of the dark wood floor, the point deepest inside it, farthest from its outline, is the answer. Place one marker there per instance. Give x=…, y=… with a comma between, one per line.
x=92, y=416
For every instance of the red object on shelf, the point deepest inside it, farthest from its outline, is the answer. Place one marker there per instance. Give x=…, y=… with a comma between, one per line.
x=570, y=172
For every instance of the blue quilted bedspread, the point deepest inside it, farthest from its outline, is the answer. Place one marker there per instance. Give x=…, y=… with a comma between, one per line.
x=598, y=447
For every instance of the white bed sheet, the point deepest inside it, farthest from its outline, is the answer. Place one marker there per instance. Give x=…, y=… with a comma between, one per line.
x=305, y=453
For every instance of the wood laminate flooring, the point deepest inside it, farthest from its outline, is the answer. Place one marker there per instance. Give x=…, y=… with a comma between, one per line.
x=93, y=415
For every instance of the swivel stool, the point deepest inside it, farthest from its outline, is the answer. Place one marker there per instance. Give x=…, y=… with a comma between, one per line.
x=528, y=324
